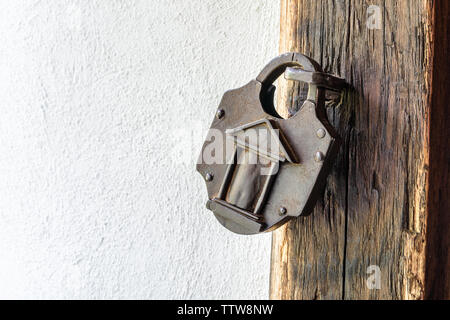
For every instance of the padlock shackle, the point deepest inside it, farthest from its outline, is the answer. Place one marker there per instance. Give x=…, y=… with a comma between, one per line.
x=296, y=67
x=278, y=65
x=275, y=69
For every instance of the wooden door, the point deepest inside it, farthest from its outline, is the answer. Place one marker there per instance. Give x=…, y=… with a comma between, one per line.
x=381, y=228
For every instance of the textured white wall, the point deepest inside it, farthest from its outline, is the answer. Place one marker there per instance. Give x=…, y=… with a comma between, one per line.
x=96, y=98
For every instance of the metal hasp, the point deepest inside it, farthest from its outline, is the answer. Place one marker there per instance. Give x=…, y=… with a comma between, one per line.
x=266, y=169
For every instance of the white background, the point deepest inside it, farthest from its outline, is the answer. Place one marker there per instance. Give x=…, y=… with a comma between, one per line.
x=104, y=105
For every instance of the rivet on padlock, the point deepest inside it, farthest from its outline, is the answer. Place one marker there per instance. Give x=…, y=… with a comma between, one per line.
x=262, y=170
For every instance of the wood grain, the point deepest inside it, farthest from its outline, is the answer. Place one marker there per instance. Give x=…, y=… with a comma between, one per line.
x=378, y=201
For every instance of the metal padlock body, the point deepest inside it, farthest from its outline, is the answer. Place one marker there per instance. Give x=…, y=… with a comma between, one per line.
x=307, y=138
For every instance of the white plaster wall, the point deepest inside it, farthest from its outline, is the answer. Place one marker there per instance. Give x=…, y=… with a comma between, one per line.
x=96, y=98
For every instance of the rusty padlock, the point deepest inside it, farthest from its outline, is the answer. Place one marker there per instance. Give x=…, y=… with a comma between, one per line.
x=262, y=170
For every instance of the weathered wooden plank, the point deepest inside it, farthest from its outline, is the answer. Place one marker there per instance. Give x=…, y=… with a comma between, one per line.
x=308, y=253
x=375, y=207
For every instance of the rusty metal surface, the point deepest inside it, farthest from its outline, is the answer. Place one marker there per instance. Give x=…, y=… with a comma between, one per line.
x=246, y=202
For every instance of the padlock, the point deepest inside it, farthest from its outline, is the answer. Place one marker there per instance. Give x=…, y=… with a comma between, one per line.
x=262, y=170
